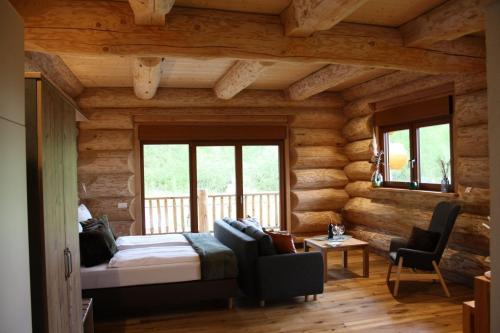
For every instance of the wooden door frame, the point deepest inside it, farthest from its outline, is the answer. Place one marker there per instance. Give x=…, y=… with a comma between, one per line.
x=193, y=183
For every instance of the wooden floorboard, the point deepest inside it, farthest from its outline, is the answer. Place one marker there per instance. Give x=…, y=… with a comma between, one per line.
x=350, y=303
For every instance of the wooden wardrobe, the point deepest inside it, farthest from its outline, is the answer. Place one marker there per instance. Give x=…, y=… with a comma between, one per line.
x=52, y=208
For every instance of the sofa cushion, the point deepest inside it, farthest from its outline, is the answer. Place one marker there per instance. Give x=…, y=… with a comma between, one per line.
x=283, y=242
x=251, y=221
x=264, y=241
x=423, y=240
x=238, y=225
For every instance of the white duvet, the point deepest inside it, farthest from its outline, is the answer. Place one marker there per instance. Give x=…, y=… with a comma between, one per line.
x=130, y=242
x=155, y=255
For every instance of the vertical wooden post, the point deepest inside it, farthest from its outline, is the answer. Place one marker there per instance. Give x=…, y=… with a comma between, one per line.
x=492, y=9
x=482, y=304
x=202, y=211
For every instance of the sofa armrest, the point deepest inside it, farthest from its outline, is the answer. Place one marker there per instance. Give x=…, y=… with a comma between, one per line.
x=290, y=275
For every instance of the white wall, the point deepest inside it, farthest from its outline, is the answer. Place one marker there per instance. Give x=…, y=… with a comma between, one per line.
x=15, y=305
x=493, y=68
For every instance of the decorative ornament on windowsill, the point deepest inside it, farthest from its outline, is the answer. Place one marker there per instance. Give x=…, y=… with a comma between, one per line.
x=377, y=179
x=445, y=182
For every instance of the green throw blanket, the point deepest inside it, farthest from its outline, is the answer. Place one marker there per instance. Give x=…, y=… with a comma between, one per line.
x=217, y=260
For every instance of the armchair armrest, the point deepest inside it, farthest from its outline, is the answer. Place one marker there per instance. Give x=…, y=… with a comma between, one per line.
x=416, y=258
x=290, y=275
x=397, y=243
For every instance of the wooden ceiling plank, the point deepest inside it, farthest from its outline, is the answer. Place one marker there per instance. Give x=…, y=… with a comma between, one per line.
x=147, y=75
x=303, y=18
x=451, y=20
x=201, y=98
x=324, y=79
x=54, y=68
x=209, y=34
x=238, y=77
x=151, y=12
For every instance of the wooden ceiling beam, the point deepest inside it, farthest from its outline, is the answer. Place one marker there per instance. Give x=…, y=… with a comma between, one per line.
x=54, y=69
x=303, y=18
x=147, y=75
x=151, y=12
x=69, y=27
x=238, y=77
x=324, y=79
x=201, y=98
x=379, y=84
x=451, y=20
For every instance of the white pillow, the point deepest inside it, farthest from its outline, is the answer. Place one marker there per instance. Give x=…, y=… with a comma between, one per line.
x=83, y=213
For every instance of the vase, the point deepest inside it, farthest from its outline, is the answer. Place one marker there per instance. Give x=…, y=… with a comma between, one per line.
x=445, y=185
x=377, y=179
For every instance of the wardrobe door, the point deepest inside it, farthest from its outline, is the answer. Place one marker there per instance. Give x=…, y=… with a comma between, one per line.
x=70, y=215
x=52, y=132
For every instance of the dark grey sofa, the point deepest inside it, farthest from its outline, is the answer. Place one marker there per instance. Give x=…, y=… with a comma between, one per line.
x=275, y=276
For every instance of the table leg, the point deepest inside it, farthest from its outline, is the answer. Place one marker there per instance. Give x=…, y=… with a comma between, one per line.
x=324, y=253
x=344, y=258
x=306, y=247
x=366, y=262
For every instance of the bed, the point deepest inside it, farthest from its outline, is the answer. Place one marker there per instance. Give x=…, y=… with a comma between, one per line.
x=157, y=271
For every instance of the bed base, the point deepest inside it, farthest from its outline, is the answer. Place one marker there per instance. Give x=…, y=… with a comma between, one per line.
x=153, y=297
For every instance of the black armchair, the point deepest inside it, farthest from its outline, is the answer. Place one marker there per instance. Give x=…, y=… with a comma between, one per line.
x=442, y=222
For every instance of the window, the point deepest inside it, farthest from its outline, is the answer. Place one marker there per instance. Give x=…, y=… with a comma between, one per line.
x=220, y=171
x=417, y=143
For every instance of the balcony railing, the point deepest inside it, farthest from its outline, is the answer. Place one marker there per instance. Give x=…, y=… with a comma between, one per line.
x=172, y=214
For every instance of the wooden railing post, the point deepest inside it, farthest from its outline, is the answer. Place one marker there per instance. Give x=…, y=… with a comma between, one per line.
x=203, y=211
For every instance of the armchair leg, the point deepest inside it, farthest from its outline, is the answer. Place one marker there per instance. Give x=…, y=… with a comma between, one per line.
x=230, y=303
x=443, y=283
x=262, y=303
x=398, y=275
x=389, y=271
x=306, y=298
x=315, y=297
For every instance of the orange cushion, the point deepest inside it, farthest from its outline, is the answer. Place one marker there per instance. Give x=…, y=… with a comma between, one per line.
x=283, y=243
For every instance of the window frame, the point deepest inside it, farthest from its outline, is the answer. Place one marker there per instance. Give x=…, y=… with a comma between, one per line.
x=193, y=181
x=415, y=170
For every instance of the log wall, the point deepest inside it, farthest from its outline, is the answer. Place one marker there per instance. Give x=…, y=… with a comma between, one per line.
x=317, y=178
x=377, y=215
x=107, y=174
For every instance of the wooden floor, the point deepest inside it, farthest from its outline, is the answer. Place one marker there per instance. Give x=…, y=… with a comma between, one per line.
x=350, y=304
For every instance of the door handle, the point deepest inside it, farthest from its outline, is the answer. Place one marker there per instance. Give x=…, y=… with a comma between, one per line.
x=68, y=263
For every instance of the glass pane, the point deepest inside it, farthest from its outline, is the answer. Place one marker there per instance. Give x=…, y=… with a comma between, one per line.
x=166, y=189
x=261, y=184
x=216, y=178
x=398, y=156
x=434, y=149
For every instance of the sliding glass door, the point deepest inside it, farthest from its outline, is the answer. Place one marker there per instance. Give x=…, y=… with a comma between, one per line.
x=166, y=186
x=216, y=184
x=261, y=184
x=188, y=186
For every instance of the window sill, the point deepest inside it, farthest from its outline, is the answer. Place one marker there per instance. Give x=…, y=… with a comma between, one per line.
x=404, y=190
